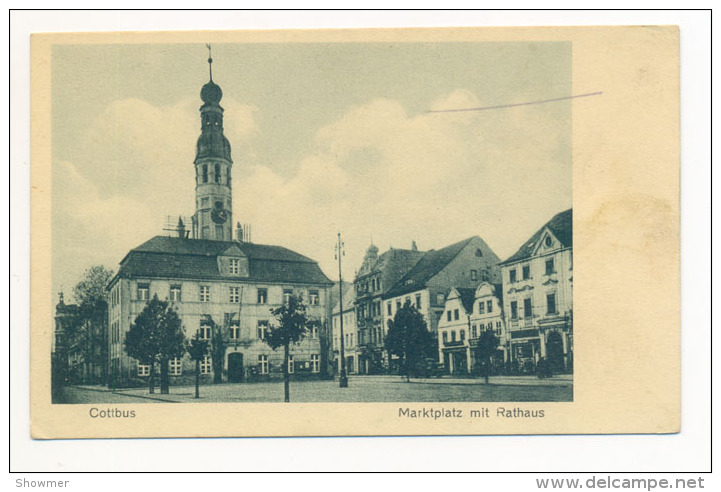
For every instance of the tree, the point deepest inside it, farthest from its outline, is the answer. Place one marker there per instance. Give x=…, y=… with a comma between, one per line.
x=409, y=339
x=86, y=336
x=156, y=336
x=218, y=344
x=293, y=323
x=197, y=349
x=487, y=346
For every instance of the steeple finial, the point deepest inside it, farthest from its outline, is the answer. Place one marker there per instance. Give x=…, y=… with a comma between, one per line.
x=210, y=61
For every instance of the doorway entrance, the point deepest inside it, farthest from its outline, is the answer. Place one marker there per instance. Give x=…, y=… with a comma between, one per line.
x=235, y=367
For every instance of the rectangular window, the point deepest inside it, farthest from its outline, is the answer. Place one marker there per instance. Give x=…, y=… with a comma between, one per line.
x=398, y=304
x=262, y=329
x=143, y=369
x=262, y=296
x=551, y=303
x=286, y=295
x=514, y=310
x=313, y=298
x=527, y=308
x=204, y=330
x=418, y=301
x=440, y=299
x=550, y=268
x=234, y=331
x=291, y=365
x=453, y=336
x=474, y=274
x=143, y=292
x=526, y=272
x=448, y=315
x=235, y=295
x=389, y=307
x=512, y=275
x=174, y=367
x=315, y=363
x=463, y=335
x=481, y=308
x=205, y=365
x=455, y=314
x=474, y=331
x=489, y=306
x=445, y=337
x=204, y=293
x=234, y=266
x=263, y=364
x=175, y=293
x=205, y=202
x=313, y=331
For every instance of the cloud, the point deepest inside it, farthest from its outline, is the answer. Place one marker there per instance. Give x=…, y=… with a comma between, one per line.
x=434, y=178
x=376, y=171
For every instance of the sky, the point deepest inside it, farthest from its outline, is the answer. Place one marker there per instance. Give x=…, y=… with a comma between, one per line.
x=325, y=137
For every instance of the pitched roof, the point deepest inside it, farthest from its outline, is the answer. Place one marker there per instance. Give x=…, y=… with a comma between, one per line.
x=173, y=257
x=561, y=226
x=427, y=267
x=468, y=297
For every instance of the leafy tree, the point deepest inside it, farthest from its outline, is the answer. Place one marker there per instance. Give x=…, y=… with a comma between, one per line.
x=409, y=339
x=292, y=326
x=156, y=336
x=86, y=335
x=197, y=349
x=487, y=346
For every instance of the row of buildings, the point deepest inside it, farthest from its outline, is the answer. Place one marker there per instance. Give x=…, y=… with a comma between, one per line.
x=463, y=290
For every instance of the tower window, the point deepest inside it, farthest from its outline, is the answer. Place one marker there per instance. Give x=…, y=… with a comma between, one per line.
x=205, y=173
x=217, y=173
x=227, y=171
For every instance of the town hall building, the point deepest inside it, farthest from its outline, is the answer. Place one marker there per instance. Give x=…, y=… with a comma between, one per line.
x=214, y=279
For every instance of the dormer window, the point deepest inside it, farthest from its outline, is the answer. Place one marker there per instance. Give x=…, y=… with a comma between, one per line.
x=234, y=266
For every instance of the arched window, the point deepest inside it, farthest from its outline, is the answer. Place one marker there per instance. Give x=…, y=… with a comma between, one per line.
x=205, y=173
x=228, y=174
x=217, y=173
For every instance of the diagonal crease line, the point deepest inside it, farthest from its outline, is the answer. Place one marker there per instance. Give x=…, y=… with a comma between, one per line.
x=514, y=105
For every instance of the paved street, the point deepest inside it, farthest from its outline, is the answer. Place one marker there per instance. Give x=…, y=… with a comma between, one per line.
x=360, y=389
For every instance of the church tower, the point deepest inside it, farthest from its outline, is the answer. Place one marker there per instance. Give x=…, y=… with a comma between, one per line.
x=213, y=217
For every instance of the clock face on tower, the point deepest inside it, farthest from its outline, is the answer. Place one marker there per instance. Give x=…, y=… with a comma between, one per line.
x=219, y=214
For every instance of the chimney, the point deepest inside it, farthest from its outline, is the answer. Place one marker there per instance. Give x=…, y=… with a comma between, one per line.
x=181, y=228
x=239, y=233
x=414, y=247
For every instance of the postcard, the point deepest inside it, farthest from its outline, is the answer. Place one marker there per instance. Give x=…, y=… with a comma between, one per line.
x=355, y=232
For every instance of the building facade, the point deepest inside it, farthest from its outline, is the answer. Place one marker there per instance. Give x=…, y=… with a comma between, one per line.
x=467, y=315
x=351, y=345
x=376, y=276
x=464, y=265
x=538, y=297
x=217, y=282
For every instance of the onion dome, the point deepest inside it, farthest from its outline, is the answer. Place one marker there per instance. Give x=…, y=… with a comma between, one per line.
x=211, y=93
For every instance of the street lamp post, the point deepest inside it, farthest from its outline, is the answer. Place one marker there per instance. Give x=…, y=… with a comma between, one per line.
x=339, y=252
